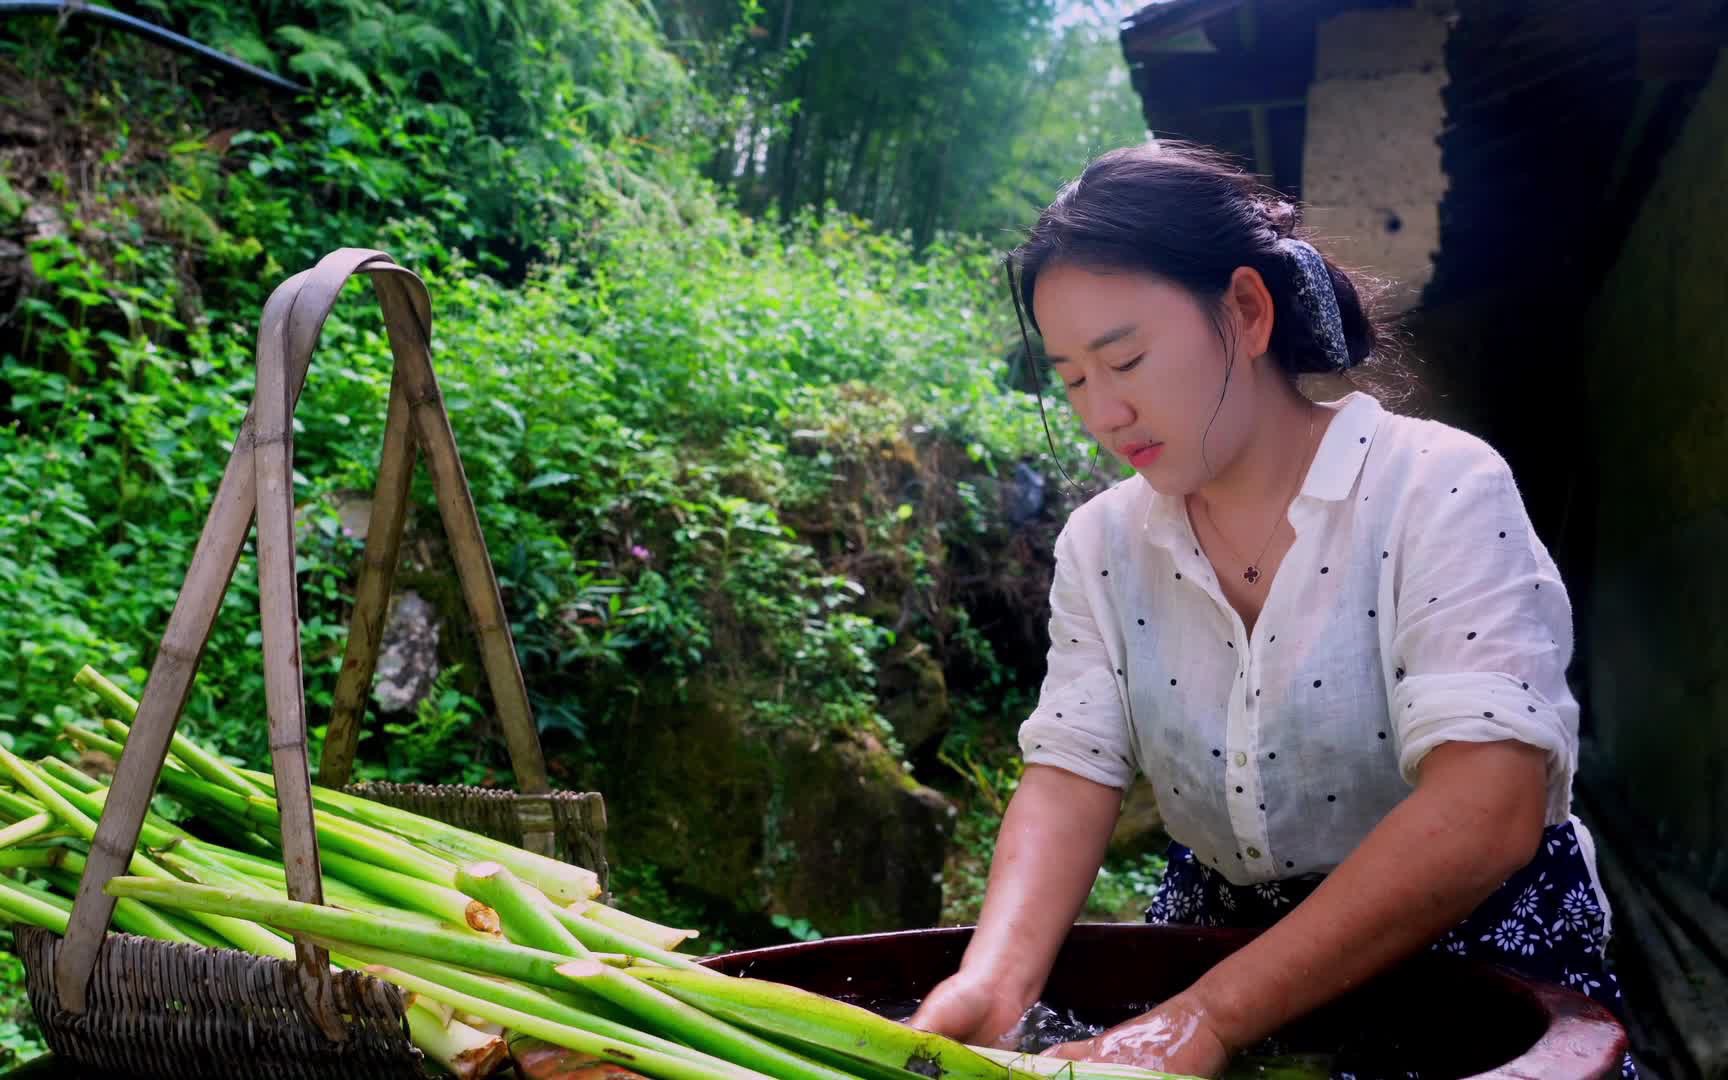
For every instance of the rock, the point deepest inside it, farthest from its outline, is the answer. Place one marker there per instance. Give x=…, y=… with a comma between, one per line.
x=354, y=510
x=913, y=692
x=43, y=222
x=408, y=655
x=1140, y=829
x=868, y=843
x=827, y=828
x=1024, y=496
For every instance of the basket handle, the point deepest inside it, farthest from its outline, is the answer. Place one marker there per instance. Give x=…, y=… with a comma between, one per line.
x=417, y=418
x=259, y=478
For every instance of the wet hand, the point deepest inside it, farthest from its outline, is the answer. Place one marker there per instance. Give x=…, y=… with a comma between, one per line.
x=1177, y=1037
x=971, y=1009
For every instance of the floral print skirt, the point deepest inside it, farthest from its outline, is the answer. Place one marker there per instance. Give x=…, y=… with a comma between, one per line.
x=1547, y=922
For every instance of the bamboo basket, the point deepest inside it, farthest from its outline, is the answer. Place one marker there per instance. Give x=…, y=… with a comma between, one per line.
x=113, y=1000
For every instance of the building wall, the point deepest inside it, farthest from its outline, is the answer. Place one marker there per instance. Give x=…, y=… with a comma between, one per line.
x=1371, y=170
x=1656, y=365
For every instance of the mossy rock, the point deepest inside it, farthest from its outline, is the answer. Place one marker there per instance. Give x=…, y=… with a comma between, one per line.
x=827, y=828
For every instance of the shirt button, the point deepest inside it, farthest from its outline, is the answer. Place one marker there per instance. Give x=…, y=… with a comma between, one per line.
x=1253, y=853
x=1241, y=759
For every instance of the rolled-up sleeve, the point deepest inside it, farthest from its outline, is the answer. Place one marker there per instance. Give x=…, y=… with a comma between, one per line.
x=1484, y=630
x=1080, y=723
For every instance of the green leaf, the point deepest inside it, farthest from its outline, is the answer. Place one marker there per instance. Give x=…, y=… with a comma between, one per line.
x=551, y=479
x=79, y=518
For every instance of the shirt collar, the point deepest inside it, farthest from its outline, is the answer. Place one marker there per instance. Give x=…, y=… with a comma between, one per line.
x=1336, y=465
x=1343, y=449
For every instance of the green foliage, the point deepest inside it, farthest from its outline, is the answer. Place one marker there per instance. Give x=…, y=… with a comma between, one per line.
x=797, y=929
x=1124, y=888
x=757, y=445
x=436, y=746
x=1079, y=104
x=639, y=888
x=19, y=1039
x=922, y=117
x=659, y=415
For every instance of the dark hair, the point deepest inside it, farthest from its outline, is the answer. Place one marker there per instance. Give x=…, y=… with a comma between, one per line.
x=1189, y=216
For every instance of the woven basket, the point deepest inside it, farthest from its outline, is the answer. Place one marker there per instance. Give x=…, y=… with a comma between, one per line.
x=180, y=1012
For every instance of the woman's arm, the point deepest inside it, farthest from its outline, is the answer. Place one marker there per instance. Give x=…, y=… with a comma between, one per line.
x=1475, y=817
x=1047, y=856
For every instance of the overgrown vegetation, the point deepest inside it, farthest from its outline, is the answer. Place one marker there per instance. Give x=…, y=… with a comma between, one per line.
x=763, y=438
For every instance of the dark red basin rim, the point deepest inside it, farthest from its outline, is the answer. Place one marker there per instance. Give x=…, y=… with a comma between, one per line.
x=1583, y=1040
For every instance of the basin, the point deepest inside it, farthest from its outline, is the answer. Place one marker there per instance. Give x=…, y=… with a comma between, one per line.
x=1437, y=1016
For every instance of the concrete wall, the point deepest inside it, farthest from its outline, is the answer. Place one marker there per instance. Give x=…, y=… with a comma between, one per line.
x=1656, y=362
x=1370, y=165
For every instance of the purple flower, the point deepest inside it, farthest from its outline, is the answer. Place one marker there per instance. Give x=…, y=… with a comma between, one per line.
x=641, y=552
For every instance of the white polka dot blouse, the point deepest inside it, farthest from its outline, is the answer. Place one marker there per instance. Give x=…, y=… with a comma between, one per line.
x=1416, y=607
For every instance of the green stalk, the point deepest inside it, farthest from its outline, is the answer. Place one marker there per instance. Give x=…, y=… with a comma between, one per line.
x=132, y=917
x=44, y=895
x=17, y=807
x=351, y=899
x=76, y=779
x=337, y=894
x=129, y=915
x=461, y=1051
x=336, y=835
x=227, y=806
x=362, y=842
x=196, y=758
x=461, y=948
x=246, y=935
x=652, y=933
x=159, y=839
x=1037, y=1064
x=29, y=858
x=184, y=783
x=439, y=900
x=251, y=865
x=90, y=739
x=787, y=1012
x=27, y=829
x=558, y=880
x=652, y=1063
x=64, y=770
x=597, y=935
x=20, y=905
x=515, y=995
x=195, y=931
x=698, y=1027
x=135, y=918
x=526, y=916
x=91, y=804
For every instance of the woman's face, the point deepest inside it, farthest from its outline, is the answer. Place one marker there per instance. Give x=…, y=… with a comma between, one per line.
x=1144, y=367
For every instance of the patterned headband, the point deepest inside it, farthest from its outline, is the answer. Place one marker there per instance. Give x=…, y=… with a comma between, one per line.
x=1314, y=292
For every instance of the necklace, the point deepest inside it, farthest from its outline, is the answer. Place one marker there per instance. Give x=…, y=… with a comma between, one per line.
x=1252, y=573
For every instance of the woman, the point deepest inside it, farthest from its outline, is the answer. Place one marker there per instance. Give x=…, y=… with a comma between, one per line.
x=1327, y=634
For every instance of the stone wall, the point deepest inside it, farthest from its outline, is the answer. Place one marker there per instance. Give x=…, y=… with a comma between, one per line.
x=1371, y=166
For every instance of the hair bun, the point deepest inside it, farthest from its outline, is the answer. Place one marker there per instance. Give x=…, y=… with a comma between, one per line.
x=1282, y=215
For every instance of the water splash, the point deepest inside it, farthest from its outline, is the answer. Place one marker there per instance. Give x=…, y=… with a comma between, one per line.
x=1043, y=1026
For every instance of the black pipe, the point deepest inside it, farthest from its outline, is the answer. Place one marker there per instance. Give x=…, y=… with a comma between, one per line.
x=150, y=31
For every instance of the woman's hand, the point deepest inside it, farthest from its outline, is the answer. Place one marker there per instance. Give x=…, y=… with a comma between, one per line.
x=1179, y=1036
x=972, y=1009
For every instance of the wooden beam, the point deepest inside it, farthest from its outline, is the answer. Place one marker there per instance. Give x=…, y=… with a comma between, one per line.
x=1192, y=81
x=1145, y=30
x=1248, y=28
